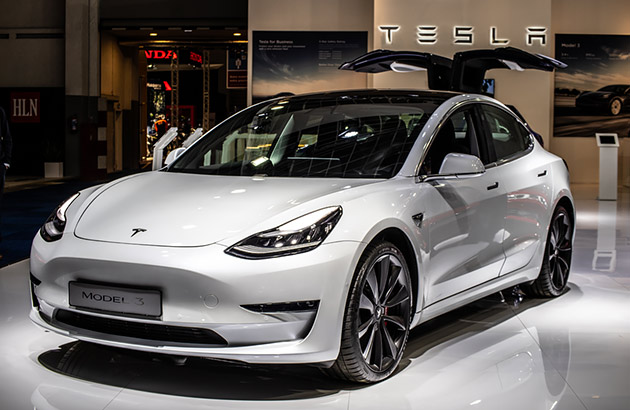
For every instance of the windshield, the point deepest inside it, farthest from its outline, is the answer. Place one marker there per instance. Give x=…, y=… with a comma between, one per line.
x=330, y=135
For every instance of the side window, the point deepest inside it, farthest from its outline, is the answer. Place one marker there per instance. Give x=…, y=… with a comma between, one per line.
x=508, y=137
x=456, y=135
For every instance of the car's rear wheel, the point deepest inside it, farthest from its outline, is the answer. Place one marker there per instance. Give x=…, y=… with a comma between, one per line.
x=377, y=317
x=615, y=106
x=554, y=273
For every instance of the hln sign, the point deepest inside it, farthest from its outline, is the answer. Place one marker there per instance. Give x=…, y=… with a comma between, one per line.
x=25, y=107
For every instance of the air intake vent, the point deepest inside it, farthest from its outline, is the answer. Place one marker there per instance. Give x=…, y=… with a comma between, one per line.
x=147, y=331
x=307, y=305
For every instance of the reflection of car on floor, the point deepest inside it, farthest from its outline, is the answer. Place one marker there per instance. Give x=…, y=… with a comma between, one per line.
x=317, y=228
x=612, y=99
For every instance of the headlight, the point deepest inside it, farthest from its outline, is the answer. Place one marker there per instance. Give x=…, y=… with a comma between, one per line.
x=299, y=235
x=56, y=222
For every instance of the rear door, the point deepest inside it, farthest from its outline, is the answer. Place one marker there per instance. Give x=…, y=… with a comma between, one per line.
x=527, y=182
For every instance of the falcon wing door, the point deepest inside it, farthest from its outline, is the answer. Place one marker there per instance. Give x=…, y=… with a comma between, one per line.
x=469, y=67
x=438, y=68
x=464, y=73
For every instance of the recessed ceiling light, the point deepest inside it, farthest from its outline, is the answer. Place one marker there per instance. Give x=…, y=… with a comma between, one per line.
x=188, y=30
x=153, y=34
x=237, y=34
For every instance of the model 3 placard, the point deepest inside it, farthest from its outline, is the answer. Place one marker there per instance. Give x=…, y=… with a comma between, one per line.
x=114, y=299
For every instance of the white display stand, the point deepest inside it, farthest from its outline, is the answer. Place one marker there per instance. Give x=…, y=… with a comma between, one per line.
x=193, y=137
x=605, y=254
x=608, y=149
x=158, y=148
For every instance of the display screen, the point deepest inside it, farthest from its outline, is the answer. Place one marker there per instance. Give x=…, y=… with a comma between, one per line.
x=607, y=140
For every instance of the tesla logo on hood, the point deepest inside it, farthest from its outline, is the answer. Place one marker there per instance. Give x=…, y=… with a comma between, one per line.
x=137, y=231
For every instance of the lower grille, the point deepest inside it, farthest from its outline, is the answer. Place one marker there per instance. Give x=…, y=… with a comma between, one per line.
x=304, y=306
x=147, y=331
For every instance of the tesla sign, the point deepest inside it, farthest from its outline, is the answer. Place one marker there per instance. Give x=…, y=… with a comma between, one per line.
x=25, y=107
x=428, y=34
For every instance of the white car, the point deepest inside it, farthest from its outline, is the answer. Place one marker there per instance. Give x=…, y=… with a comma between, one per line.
x=311, y=229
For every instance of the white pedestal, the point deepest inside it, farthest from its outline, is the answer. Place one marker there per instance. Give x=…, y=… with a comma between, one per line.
x=608, y=150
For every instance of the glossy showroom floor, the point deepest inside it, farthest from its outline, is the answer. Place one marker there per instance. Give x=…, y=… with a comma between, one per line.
x=569, y=353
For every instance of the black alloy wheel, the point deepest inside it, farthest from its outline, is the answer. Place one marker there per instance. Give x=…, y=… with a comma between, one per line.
x=378, y=316
x=554, y=273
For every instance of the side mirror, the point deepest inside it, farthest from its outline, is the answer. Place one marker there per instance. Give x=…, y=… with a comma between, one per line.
x=173, y=155
x=461, y=164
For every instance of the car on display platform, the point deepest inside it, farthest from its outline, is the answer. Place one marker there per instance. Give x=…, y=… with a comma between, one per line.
x=316, y=229
x=612, y=99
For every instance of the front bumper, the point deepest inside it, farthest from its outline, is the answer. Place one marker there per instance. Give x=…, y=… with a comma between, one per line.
x=280, y=310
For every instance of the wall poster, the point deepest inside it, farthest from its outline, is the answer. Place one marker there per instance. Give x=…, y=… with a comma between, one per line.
x=593, y=93
x=304, y=61
x=237, y=67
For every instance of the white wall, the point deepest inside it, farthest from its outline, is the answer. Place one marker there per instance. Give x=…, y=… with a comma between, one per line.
x=528, y=91
x=307, y=15
x=590, y=17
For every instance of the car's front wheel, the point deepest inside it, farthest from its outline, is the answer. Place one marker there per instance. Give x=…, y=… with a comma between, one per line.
x=615, y=106
x=377, y=316
x=554, y=273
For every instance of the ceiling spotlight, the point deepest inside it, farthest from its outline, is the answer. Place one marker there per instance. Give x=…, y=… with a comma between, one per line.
x=237, y=34
x=187, y=30
x=153, y=34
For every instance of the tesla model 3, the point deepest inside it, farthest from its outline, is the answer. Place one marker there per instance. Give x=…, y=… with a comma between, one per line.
x=316, y=229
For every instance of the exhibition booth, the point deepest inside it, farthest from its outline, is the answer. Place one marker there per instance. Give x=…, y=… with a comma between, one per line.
x=583, y=34
x=319, y=204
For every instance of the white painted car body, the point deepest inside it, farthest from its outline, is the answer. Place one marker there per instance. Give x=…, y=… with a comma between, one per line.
x=469, y=242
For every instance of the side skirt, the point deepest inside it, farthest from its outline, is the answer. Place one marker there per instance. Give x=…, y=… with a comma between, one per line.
x=472, y=294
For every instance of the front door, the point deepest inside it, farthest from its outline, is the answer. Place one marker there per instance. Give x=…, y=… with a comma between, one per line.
x=464, y=217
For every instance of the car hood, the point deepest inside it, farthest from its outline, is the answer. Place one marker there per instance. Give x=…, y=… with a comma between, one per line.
x=183, y=210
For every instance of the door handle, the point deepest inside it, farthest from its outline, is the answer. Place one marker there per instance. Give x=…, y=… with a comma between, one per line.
x=493, y=186
x=542, y=174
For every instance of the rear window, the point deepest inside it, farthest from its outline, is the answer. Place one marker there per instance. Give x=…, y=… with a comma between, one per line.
x=509, y=138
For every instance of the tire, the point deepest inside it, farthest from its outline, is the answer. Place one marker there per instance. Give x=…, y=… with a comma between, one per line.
x=377, y=318
x=615, y=106
x=554, y=273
